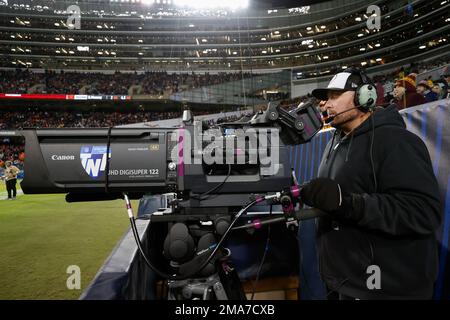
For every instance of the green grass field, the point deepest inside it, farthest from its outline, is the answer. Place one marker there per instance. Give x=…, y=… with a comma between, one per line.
x=41, y=235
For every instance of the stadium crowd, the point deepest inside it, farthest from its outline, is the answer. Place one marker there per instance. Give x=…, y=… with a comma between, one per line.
x=149, y=83
x=34, y=118
x=13, y=151
x=160, y=83
x=398, y=87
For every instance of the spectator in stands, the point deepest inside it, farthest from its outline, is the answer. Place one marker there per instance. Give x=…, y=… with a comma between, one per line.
x=388, y=90
x=10, y=177
x=401, y=72
x=397, y=95
x=437, y=88
x=445, y=80
x=430, y=81
x=405, y=93
x=424, y=90
x=380, y=93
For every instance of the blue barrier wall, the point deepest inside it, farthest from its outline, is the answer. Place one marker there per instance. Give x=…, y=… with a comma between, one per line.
x=431, y=122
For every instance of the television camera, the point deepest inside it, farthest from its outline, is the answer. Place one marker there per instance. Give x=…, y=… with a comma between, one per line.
x=210, y=177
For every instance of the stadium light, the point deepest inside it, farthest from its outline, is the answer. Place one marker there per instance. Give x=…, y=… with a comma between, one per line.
x=211, y=4
x=83, y=48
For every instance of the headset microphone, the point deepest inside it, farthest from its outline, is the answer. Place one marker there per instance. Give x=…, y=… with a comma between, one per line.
x=329, y=119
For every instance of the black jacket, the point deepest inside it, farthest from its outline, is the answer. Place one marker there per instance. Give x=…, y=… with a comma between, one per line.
x=392, y=226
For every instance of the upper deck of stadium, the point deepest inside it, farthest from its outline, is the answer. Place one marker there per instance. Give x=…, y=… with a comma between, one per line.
x=314, y=40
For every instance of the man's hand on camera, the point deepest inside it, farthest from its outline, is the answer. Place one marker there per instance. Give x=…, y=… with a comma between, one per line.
x=322, y=193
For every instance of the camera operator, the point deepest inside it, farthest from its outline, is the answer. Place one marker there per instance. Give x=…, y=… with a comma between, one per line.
x=377, y=185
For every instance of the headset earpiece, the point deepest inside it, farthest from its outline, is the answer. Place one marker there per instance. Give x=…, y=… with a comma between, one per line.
x=366, y=96
x=366, y=92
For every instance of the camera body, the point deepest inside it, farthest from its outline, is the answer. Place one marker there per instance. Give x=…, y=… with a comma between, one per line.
x=230, y=161
x=210, y=173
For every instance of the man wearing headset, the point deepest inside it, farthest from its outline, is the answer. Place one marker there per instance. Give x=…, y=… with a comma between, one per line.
x=377, y=185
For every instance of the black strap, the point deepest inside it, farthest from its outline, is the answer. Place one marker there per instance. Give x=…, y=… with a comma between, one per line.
x=108, y=145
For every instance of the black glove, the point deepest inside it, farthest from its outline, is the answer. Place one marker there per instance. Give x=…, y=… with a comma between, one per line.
x=322, y=193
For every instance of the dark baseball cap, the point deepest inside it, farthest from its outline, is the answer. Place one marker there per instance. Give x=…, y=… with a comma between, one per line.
x=345, y=81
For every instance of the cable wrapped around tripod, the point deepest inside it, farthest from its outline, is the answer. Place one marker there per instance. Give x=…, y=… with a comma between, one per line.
x=203, y=265
x=299, y=215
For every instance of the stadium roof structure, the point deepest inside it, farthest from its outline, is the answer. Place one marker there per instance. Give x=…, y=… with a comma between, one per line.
x=314, y=40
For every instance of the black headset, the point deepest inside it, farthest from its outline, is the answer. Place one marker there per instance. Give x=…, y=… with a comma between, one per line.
x=366, y=92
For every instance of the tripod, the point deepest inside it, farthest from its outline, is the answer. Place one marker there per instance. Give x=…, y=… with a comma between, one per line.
x=223, y=284
x=218, y=282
